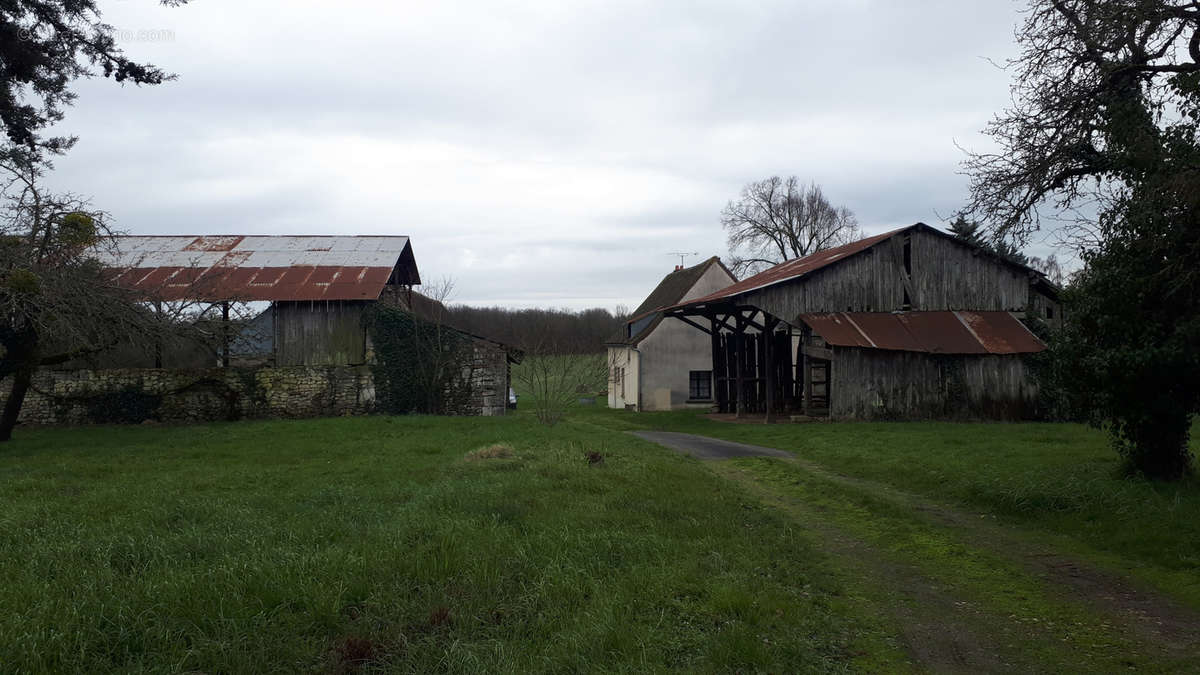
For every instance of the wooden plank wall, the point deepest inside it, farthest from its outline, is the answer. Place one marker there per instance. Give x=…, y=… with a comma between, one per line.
x=878, y=384
x=319, y=333
x=945, y=275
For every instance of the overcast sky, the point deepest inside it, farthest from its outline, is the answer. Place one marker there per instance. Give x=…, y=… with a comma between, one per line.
x=538, y=153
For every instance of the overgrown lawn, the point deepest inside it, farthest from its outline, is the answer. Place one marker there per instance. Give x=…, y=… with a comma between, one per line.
x=374, y=543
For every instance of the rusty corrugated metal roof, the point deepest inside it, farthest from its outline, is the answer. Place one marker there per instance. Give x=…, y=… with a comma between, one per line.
x=250, y=268
x=794, y=269
x=800, y=267
x=958, y=332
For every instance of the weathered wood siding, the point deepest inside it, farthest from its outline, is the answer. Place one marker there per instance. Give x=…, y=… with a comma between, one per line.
x=320, y=333
x=879, y=384
x=945, y=275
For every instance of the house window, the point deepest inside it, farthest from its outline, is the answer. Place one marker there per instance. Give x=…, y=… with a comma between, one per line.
x=700, y=385
x=1049, y=312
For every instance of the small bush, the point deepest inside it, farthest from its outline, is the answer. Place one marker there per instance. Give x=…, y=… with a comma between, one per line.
x=493, y=451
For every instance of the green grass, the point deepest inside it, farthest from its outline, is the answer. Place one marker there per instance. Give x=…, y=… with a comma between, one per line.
x=1059, y=478
x=376, y=544
x=372, y=542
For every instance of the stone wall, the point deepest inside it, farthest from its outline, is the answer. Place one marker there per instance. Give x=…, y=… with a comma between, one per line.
x=133, y=396
x=489, y=380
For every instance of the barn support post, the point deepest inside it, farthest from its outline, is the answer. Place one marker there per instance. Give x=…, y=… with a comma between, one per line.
x=769, y=323
x=717, y=371
x=769, y=375
x=807, y=361
x=739, y=365
x=225, y=334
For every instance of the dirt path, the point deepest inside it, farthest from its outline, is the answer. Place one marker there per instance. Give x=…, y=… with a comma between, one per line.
x=945, y=632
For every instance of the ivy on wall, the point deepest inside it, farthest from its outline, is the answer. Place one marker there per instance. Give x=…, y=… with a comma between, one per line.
x=420, y=366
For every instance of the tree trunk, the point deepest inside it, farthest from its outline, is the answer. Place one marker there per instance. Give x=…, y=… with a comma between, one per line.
x=16, y=398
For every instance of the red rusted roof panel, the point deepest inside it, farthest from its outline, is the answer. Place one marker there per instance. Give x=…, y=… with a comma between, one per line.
x=254, y=267
x=928, y=332
x=885, y=331
x=941, y=333
x=1000, y=333
x=836, y=330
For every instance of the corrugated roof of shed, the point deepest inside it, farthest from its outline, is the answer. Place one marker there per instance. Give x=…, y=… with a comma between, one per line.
x=958, y=332
x=248, y=268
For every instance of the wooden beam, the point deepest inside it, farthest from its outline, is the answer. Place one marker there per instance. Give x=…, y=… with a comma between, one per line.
x=769, y=366
x=690, y=323
x=715, y=334
x=818, y=352
x=739, y=362
x=225, y=334
x=808, y=388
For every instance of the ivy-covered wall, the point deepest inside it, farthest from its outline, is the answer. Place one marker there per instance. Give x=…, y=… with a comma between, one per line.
x=422, y=366
x=134, y=396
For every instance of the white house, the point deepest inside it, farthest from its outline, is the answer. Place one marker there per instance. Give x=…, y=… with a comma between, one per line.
x=658, y=363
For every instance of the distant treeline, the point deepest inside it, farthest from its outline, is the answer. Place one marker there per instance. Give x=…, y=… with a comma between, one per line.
x=555, y=330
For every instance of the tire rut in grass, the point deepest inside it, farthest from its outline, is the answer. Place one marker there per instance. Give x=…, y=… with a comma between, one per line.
x=941, y=632
x=1148, y=614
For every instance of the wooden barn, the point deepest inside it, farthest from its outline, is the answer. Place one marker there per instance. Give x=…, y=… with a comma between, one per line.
x=908, y=324
x=318, y=287
x=316, y=290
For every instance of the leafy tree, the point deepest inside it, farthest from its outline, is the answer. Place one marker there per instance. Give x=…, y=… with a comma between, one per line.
x=1105, y=116
x=779, y=219
x=44, y=46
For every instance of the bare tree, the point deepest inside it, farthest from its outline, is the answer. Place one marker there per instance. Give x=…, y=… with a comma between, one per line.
x=1050, y=267
x=1097, y=86
x=779, y=219
x=57, y=300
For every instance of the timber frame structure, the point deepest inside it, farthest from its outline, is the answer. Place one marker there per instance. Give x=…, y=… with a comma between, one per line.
x=761, y=364
x=907, y=324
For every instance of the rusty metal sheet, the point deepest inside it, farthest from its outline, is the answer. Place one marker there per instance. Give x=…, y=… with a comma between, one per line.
x=940, y=333
x=218, y=243
x=1001, y=333
x=237, y=267
x=944, y=332
x=885, y=330
x=836, y=330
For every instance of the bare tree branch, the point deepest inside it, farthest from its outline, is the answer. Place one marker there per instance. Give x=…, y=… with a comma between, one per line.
x=779, y=219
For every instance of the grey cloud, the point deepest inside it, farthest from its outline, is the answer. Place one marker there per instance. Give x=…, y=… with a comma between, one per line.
x=538, y=152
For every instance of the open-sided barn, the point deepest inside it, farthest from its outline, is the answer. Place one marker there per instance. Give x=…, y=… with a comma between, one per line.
x=318, y=287
x=312, y=350
x=911, y=323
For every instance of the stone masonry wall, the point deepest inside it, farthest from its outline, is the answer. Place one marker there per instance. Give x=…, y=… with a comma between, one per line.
x=136, y=395
x=489, y=380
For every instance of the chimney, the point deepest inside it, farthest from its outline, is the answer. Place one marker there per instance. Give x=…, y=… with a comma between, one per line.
x=678, y=267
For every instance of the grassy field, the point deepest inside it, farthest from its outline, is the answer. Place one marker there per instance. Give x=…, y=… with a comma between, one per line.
x=1058, y=478
x=337, y=544
x=376, y=544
